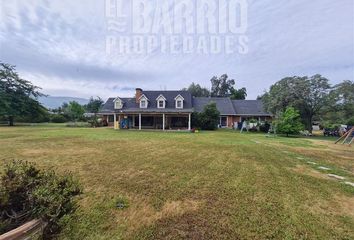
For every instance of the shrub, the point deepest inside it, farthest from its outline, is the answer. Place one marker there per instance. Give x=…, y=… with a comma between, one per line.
x=351, y=121
x=78, y=124
x=264, y=127
x=27, y=193
x=289, y=122
x=208, y=119
x=58, y=118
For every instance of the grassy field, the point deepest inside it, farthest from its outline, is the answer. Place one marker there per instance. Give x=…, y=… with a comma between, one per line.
x=208, y=185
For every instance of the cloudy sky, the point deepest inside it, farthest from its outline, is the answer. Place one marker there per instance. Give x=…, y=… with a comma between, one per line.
x=61, y=45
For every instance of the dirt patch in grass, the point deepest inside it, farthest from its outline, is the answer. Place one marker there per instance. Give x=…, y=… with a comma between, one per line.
x=141, y=213
x=339, y=205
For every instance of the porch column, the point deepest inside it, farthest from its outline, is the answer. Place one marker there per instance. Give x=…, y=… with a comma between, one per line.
x=227, y=121
x=139, y=121
x=189, y=121
x=133, y=123
x=163, y=122
x=259, y=119
x=114, y=121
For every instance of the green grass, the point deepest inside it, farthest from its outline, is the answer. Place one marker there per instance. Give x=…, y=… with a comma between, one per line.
x=207, y=185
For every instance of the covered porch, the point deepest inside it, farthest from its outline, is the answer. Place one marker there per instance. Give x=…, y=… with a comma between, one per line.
x=139, y=121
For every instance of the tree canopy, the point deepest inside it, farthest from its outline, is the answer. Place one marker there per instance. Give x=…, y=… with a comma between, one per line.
x=222, y=86
x=309, y=95
x=197, y=91
x=18, y=97
x=94, y=105
x=73, y=110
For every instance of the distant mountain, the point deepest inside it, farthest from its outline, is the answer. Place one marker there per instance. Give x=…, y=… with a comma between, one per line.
x=55, y=102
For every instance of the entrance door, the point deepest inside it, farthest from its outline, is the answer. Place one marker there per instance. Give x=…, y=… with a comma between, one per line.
x=223, y=121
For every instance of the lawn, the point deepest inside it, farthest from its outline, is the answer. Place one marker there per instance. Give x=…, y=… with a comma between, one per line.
x=208, y=185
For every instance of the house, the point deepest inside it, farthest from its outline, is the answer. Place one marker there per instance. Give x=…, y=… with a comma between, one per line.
x=150, y=110
x=234, y=111
x=173, y=109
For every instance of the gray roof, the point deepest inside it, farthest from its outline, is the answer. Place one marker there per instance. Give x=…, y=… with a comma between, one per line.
x=130, y=105
x=223, y=104
x=249, y=107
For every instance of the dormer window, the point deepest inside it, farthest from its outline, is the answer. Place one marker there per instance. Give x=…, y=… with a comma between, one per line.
x=161, y=104
x=179, y=104
x=118, y=104
x=143, y=101
x=179, y=101
x=161, y=101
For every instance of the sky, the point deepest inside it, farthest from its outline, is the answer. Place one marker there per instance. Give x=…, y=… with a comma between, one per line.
x=69, y=47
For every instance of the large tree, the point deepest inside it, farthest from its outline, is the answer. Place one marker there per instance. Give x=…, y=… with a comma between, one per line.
x=94, y=105
x=18, y=97
x=222, y=86
x=342, y=96
x=309, y=95
x=197, y=91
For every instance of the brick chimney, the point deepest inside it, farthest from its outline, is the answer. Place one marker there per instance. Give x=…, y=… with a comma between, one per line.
x=138, y=93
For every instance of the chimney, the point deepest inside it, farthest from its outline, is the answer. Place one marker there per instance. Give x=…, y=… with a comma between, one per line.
x=138, y=93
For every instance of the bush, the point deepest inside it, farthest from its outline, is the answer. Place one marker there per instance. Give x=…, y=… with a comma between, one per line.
x=28, y=193
x=208, y=119
x=289, y=122
x=58, y=118
x=78, y=124
x=264, y=127
x=95, y=122
x=351, y=122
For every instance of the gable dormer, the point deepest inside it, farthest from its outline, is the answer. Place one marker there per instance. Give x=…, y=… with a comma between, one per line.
x=161, y=101
x=179, y=101
x=143, y=101
x=118, y=103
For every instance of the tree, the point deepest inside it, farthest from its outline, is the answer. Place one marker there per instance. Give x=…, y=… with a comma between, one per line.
x=342, y=96
x=208, y=119
x=309, y=95
x=18, y=97
x=94, y=105
x=74, y=110
x=197, y=91
x=238, y=94
x=289, y=122
x=222, y=86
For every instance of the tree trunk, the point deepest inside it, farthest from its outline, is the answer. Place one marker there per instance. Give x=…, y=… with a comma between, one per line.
x=309, y=123
x=11, y=120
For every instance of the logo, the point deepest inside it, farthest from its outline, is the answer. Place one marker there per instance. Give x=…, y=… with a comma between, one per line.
x=140, y=27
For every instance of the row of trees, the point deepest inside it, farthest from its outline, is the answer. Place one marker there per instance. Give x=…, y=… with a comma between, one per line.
x=73, y=111
x=220, y=87
x=18, y=101
x=313, y=97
